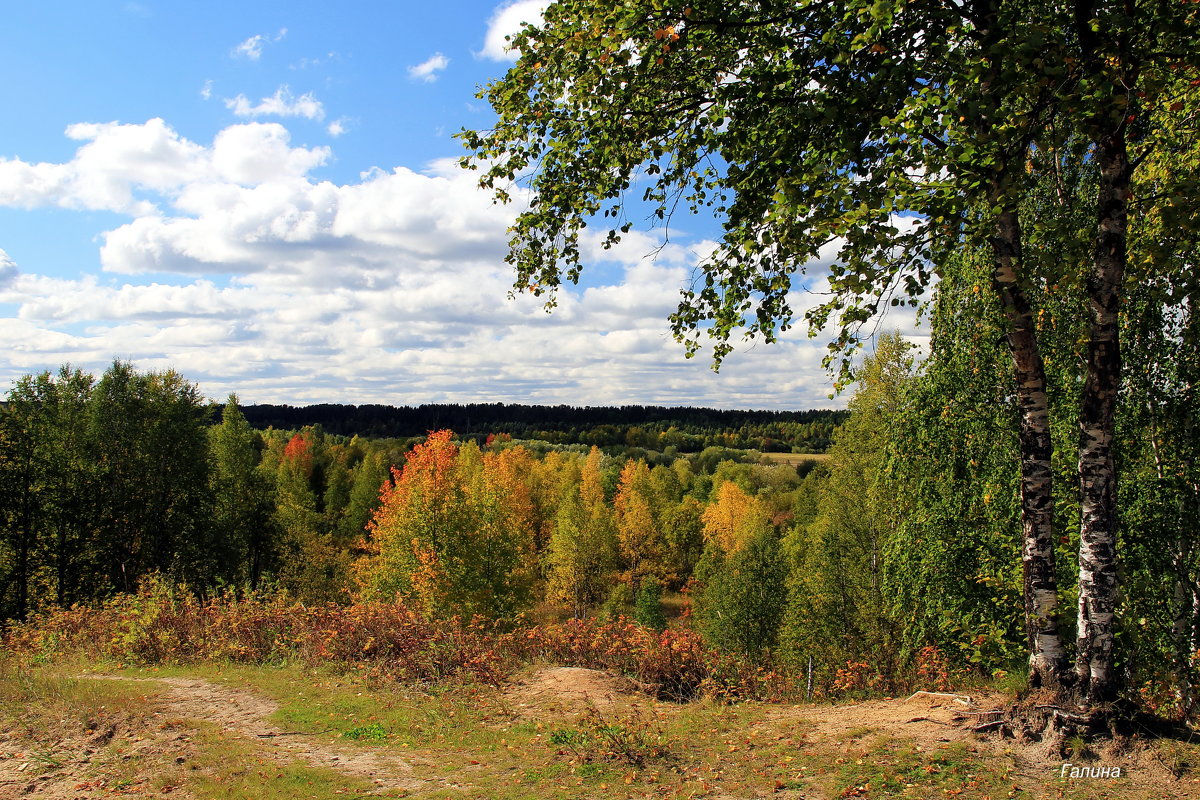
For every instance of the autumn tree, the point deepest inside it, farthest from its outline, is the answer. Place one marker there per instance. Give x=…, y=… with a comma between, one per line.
x=739, y=593
x=498, y=561
x=312, y=566
x=454, y=534
x=582, y=551
x=639, y=531
x=733, y=518
x=890, y=132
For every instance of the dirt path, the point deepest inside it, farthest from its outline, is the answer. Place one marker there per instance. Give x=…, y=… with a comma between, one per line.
x=237, y=712
x=246, y=715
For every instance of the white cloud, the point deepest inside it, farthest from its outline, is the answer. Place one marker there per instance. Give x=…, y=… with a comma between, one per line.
x=337, y=127
x=116, y=160
x=206, y=90
x=252, y=48
x=428, y=69
x=264, y=280
x=280, y=104
x=131, y=168
x=507, y=20
x=8, y=270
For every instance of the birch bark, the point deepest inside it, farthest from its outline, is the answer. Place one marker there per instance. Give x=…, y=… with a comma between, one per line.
x=1047, y=658
x=1098, y=580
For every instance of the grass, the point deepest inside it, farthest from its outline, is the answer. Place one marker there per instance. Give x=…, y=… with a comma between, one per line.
x=890, y=768
x=467, y=741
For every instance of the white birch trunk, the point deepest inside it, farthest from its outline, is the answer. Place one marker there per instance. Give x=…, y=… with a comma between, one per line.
x=1047, y=658
x=1099, y=585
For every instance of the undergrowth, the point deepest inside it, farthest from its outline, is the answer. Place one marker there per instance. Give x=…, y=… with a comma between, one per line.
x=162, y=625
x=634, y=737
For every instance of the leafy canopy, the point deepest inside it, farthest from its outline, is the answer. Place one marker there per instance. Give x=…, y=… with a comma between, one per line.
x=865, y=129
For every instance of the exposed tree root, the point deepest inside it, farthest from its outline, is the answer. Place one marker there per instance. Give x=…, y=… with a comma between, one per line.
x=1067, y=730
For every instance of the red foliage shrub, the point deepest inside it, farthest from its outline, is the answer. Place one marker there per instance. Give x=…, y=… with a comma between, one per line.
x=160, y=624
x=673, y=664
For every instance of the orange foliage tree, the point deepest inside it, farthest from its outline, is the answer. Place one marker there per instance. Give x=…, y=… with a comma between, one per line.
x=455, y=532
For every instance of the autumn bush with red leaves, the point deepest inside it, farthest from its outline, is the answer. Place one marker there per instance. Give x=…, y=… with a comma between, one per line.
x=162, y=624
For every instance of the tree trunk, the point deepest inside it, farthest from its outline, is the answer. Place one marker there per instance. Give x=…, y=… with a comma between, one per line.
x=1182, y=623
x=1098, y=581
x=1047, y=659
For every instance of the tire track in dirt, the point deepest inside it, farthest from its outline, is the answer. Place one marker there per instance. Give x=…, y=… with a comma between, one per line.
x=247, y=715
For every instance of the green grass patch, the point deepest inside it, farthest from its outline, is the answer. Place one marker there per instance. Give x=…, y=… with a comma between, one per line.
x=889, y=768
x=372, y=733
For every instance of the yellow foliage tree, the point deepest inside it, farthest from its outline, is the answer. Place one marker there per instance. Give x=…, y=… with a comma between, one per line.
x=582, y=549
x=639, y=534
x=734, y=518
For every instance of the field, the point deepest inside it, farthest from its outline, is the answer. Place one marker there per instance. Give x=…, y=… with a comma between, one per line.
x=83, y=729
x=794, y=459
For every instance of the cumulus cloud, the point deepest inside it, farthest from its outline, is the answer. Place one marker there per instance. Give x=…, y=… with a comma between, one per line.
x=507, y=20
x=115, y=161
x=280, y=104
x=248, y=274
x=337, y=127
x=129, y=168
x=428, y=69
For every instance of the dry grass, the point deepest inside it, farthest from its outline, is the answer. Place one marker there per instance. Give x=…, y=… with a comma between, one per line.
x=225, y=731
x=794, y=459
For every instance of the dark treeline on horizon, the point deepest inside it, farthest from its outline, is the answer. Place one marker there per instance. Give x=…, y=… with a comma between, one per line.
x=687, y=429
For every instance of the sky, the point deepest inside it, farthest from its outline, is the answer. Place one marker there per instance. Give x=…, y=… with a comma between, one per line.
x=265, y=196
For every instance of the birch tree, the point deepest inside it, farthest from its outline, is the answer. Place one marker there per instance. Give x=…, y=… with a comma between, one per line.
x=889, y=131
x=582, y=552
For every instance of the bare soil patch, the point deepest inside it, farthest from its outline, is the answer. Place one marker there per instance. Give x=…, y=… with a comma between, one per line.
x=928, y=718
x=105, y=754
x=566, y=690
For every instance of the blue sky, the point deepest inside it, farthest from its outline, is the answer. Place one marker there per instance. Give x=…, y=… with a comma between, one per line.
x=264, y=196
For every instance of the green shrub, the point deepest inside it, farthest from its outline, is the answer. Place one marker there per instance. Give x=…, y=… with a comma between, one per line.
x=648, y=611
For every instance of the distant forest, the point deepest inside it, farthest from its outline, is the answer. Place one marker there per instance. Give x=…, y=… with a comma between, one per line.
x=688, y=430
